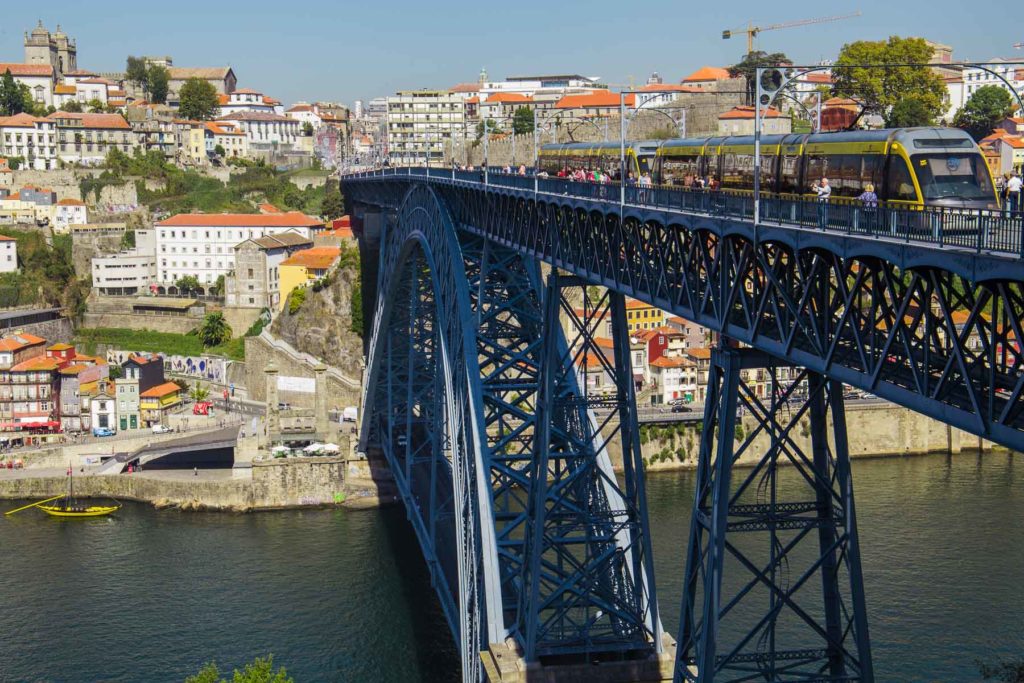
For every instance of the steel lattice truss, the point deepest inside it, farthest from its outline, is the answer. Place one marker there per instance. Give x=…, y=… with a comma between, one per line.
x=460, y=432
x=785, y=530
x=588, y=579
x=924, y=334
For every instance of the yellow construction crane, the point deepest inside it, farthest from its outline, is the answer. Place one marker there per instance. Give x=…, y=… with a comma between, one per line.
x=752, y=30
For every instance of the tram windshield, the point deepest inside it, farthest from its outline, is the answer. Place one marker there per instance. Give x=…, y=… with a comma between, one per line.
x=953, y=176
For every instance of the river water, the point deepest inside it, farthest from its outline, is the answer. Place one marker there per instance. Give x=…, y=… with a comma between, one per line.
x=148, y=596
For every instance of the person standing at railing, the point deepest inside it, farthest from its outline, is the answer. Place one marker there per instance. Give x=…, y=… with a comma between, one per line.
x=1013, y=188
x=824, y=192
x=645, y=185
x=869, y=204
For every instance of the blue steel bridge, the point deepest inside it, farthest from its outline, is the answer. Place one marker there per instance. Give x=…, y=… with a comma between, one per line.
x=539, y=552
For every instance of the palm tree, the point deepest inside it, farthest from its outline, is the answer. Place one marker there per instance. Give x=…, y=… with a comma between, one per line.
x=214, y=330
x=199, y=393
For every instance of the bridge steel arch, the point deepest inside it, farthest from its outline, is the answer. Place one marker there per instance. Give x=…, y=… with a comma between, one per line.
x=934, y=329
x=464, y=357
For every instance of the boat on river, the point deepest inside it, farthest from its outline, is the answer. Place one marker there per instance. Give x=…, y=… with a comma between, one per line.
x=66, y=505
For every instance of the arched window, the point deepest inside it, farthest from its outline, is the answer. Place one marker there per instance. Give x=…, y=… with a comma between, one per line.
x=38, y=93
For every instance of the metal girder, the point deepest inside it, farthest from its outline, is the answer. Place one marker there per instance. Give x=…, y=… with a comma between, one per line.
x=588, y=580
x=926, y=338
x=767, y=618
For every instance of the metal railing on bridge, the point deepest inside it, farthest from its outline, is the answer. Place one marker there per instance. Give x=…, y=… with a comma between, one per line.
x=995, y=231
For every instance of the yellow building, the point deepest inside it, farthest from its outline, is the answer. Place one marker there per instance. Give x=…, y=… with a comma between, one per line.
x=641, y=316
x=303, y=267
x=191, y=142
x=157, y=401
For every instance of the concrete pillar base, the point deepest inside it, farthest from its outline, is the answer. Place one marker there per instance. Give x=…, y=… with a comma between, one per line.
x=504, y=663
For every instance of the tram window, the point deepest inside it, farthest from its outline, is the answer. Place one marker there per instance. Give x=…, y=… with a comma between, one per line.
x=676, y=169
x=900, y=185
x=789, y=177
x=737, y=171
x=767, y=172
x=818, y=166
x=960, y=176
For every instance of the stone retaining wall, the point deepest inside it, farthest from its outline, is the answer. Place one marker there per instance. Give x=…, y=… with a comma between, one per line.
x=261, y=350
x=179, y=324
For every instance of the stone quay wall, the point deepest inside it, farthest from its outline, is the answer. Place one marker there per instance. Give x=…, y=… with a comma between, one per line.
x=879, y=430
x=58, y=330
x=261, y=350
x=293, y=482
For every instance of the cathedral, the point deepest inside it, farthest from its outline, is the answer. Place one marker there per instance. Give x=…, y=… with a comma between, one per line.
x=55, y=49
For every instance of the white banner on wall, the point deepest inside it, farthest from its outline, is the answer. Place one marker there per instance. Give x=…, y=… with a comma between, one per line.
x=301, y=385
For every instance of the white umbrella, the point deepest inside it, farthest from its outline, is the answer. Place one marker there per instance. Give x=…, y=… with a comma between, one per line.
x=281, y=449
x=313, y=447
x=331, y=448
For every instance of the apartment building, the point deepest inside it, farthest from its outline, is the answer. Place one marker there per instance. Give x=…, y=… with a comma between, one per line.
x=422, y=126
x=86, y=138
x=203, y=245
x=255, y=282
x=32, y=138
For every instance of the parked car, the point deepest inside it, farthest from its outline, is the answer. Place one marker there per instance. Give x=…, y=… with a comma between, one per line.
x=102, y=431
x=161, y=429
x=680, y=408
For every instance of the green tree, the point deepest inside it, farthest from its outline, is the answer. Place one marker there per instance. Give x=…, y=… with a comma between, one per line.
x=187, y=283
x=157, y=79
x=492, y=128
x=135, y=71
x=879, y=88
x=128, y=239
x=219, y=151
x=333, y=205
x=198, y=100
x=95, y=106
x=214, y=330
x=199, y=393
x=908, y=113
x=747, y=68
x=218, y=287
x=260, y=670
x=72, y=106
x=984, y=110
x=12, y=100
x=522, y=121
x=307, y=129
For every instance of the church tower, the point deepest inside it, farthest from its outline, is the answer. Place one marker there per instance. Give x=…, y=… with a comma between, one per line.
x=38, y=47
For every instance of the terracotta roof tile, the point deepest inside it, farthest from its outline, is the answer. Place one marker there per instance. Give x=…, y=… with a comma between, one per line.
x=24, y=70
x=317, y=258
x=707, y=73
x=744, y=112
x=105, y=121
x=292, y=219
x=160, y=390
x=597, y=98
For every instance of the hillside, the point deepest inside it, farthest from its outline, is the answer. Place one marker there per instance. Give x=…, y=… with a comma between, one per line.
x=323, y=324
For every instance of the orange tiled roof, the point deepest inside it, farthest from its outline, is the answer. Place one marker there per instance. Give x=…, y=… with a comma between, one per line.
x=509, y=97
x=670, y=362
x=61, y=89
x=292, y=219
x=317, y=258
x=636, y=303
x=160, y=390
x=294, y=109
x=701, y=353
x=269, y=208
x=36, y=364
x=596, y=98
x=5, y=238
x=73, y=369
x=223, y=99
x=707, y=73
x=744, y=112
x=473, y=100
x=247, y=91
x=21, y=120
x=26, y=69
x=466, y=87
x=60, y=346
x=109, y=121
x=71, y=202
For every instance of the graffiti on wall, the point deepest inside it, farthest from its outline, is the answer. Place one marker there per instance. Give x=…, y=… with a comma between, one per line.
x=325, y=146
x=200, y=367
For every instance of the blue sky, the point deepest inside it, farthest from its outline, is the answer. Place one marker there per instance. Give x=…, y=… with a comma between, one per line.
x=343, y=50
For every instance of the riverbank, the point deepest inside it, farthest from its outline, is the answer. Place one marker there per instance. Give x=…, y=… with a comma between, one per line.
x=278, y=484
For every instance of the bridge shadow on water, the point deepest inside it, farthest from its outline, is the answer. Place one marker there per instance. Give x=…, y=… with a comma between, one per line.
x=435, y=653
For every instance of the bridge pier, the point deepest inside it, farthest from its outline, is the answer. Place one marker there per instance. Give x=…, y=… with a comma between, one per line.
x=751, y=607
x=504, y=663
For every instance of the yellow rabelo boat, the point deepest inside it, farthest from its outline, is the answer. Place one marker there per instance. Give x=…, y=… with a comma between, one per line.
x=66, y=505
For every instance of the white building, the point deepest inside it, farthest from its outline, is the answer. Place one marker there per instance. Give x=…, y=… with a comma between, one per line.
x=228, y=137
x=305, y=113
x=8, y=254
x=68, y=212
x=424, y=124
x=128, y=273
x=265, y=129
x=247, y=99
x=39, y=78
x=31, y=138
x=203, y=245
